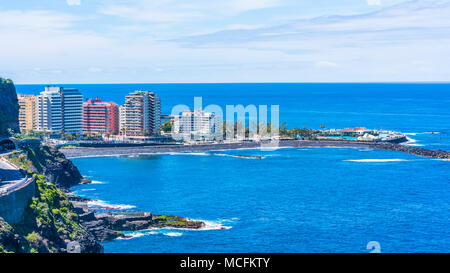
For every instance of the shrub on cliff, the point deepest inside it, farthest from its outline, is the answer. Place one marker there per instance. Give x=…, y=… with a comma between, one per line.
x=49, y=220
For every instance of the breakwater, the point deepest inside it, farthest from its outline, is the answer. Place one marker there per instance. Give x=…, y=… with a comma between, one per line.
x=179, y=148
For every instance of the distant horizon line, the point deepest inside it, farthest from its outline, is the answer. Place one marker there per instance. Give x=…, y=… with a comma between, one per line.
x=381, y=82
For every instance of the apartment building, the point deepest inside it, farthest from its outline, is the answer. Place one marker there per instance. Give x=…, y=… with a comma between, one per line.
x=100, y=117
x=197, y=124
x=141, y=114
x=27, y=112
x=59, y=109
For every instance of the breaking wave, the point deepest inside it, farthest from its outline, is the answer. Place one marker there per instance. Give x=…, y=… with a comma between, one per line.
x=100, y=204
x=97, y=182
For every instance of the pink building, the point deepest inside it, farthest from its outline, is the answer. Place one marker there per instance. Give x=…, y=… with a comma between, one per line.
x=100, y=117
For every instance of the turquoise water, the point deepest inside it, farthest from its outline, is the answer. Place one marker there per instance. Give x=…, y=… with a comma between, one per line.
x=293, y=200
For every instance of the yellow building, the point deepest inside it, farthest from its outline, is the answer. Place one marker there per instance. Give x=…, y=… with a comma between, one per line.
x=27, y=112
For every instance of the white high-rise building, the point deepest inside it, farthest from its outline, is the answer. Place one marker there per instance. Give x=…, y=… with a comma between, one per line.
x=59, y=109
x=141, y=114
x=122, y=119
x=197, y=124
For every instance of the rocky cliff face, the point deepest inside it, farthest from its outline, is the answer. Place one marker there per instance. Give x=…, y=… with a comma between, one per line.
x=50, y=225
x=9, y=107
x=50, y=162
x=59, y=170
x=50, y=222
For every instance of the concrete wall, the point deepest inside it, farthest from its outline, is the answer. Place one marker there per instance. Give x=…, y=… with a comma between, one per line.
x=12, y=205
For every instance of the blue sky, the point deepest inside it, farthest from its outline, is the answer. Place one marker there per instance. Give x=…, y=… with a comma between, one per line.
x=124, y=41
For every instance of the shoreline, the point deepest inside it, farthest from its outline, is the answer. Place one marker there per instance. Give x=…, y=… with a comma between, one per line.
x=84, y=152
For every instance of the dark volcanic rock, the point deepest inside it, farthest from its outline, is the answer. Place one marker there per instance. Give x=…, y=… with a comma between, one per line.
x=63, y=174
x=61, y=171
x=55, y=166
x=8, y=239
x=414, y=150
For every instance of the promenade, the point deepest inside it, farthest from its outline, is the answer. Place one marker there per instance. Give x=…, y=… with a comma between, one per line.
x=180, y=148
x=118, y=151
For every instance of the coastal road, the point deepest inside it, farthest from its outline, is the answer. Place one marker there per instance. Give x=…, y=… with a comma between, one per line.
x=10, y=177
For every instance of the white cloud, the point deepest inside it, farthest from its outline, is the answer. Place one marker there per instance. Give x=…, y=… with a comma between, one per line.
x=325, y=64
x=373, y=2
x=378, y=46
x=73, y=2
x=39, y=20
x=180, y=11
x=95, y=69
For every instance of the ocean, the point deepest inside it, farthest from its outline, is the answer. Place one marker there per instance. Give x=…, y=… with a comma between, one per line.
x=293, y=200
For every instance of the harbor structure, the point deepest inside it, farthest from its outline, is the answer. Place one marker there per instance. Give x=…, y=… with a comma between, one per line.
x=100, y=117
x=197, y=124
x=27, y=112
x=59, y=109
x=141, y=114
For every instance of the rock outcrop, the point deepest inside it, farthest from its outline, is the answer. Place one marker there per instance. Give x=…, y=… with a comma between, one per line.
x=106, y=226
x=50, y=162
x=9, y=107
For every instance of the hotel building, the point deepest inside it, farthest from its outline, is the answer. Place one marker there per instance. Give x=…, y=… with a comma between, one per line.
x=122, y=119
x=59, y=109
x=27, y=112
x=141, y=114
x=197, y=124
x=100, y=117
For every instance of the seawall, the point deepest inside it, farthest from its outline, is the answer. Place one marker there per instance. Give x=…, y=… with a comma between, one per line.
x=14, y=202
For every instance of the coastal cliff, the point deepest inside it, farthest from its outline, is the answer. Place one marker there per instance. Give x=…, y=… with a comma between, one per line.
x=51, y=163
x=9, y=107
x=49, y=225
x=55, y=220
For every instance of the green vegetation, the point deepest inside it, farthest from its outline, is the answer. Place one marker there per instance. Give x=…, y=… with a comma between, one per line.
x=32, y=160
x=167, y=127
x=297, y=133
x=174, y=221
x=49, y=219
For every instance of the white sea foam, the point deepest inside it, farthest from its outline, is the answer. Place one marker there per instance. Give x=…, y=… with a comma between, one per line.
x=105, y=205
x=422, y=133
x=97, y=182
x=137, y=234
x=201, y=154
x=173, y=234
x=376, y=160
x=412, y=142
x=214, y=225
x=88, y=189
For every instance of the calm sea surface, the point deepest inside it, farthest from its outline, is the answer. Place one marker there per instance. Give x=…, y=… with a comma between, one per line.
x=292, y=200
